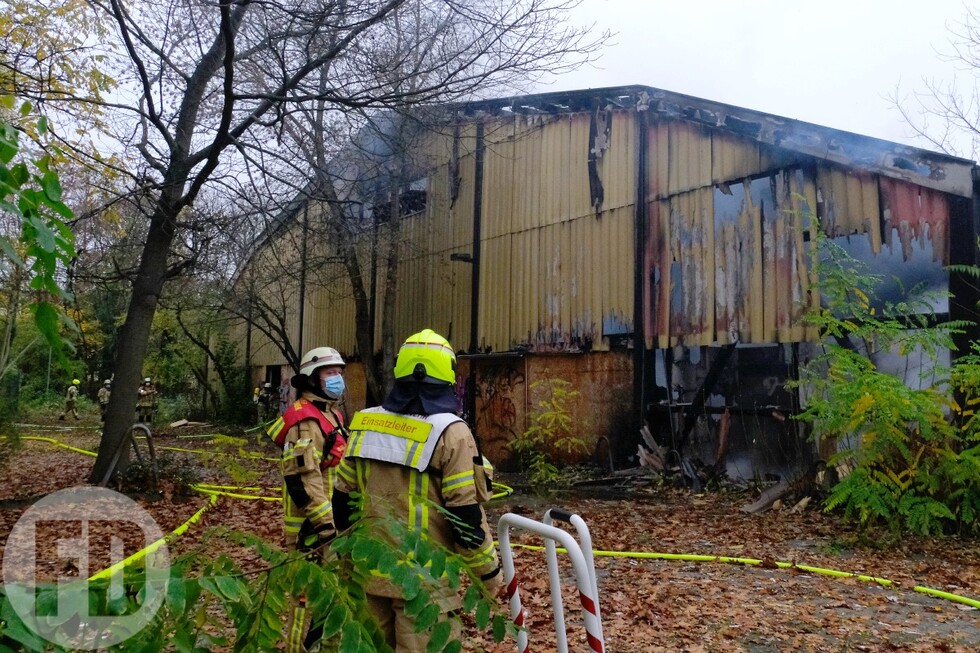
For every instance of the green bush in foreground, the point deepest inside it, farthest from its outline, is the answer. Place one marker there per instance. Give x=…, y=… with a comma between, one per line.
x=913, y=454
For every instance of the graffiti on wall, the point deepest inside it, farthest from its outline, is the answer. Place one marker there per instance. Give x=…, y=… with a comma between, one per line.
x=500, y=392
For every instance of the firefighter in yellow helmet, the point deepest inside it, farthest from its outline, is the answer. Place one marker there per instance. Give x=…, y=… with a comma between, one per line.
x=71, y=400
x=312, y=436
x=407, y=457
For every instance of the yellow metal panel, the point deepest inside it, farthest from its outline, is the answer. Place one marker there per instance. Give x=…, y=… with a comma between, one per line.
x=618, y=164
x=498, y=183
x=847, y=203
x=733, y=158
x=577, y=171
x=690, y=157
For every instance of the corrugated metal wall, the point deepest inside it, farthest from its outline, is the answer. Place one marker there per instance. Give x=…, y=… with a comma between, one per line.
x=554, y=273
x=726, y=255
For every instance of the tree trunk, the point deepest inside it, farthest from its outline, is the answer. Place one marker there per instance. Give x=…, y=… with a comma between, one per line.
x=13, y=310
x=133, y=339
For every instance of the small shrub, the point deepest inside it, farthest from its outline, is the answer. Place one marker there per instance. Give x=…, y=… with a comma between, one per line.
x=551, y=432
x=171, y=471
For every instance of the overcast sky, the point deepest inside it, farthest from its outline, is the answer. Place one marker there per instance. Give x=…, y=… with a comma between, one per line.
x=834, y=63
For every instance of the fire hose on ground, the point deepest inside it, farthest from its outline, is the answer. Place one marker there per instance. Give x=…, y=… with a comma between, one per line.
x=214, y=491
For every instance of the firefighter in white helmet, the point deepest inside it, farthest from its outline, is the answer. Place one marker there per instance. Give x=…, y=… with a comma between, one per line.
x=103, y=396
x=410, y=459
x=146, y=401
x=312, y=436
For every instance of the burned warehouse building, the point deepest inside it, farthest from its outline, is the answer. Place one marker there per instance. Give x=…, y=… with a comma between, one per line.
x=653, y=250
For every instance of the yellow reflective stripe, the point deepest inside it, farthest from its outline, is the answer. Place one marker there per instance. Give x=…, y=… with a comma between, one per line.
x=363, y=471
x=456, y=481
x=418, y=502
x=424, y=496
x=319, y=511
x=346, y=470
x=479, y=558
x=299, y=449
x=412, y=452
x=356, y=441
x=275, y=428
x=295, y=641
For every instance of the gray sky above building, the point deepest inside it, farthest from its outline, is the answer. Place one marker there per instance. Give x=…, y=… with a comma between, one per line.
x=835, y=63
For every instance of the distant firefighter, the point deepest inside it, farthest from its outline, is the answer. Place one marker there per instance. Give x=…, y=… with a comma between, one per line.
x=103, y=396
x=146, y=401
x=71, y=400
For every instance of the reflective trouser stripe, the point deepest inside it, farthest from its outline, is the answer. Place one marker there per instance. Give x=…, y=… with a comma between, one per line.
x=294, y=639
x=320, y=511
x=479, y=558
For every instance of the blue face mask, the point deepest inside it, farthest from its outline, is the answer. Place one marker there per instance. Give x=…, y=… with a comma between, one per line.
x=334, y=386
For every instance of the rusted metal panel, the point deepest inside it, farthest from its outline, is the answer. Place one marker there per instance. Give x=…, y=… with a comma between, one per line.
x=913, y=213
x=690, y=280
x=508, y=387
x=501, y=405
x=729, y=264
x=658, y=158
x=847, y=203
x=604, y=381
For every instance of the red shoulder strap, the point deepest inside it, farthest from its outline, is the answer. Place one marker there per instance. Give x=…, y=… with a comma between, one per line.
x=300, y=410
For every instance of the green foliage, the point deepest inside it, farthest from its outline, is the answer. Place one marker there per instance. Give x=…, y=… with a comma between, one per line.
x=911, y=452
x=237, y=458
x=551, y=431
x=236, y=404
x=30, y=191
x=212, y=602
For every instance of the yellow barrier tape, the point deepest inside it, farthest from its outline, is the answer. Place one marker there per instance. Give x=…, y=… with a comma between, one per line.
x=691, y=557
x=142, y=553
x=38, y=438
x=233, y=495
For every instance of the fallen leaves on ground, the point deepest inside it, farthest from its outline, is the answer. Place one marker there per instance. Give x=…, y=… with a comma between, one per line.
x=646, y=604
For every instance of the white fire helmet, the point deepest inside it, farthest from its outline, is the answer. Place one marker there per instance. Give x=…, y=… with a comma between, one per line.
x=320, y=357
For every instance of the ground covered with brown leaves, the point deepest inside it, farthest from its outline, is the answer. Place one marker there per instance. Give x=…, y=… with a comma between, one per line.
x=647, y=604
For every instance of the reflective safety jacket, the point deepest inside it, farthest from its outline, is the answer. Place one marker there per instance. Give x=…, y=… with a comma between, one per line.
x=405, y=466
x=312, y=435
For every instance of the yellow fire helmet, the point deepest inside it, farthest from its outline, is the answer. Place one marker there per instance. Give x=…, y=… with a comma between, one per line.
x=426, y=356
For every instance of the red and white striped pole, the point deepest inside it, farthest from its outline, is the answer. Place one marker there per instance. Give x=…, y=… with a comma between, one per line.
x=584, y=580
x=585, y=545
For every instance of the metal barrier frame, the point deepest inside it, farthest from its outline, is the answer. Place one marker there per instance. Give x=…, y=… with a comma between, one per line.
x=581, y=565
